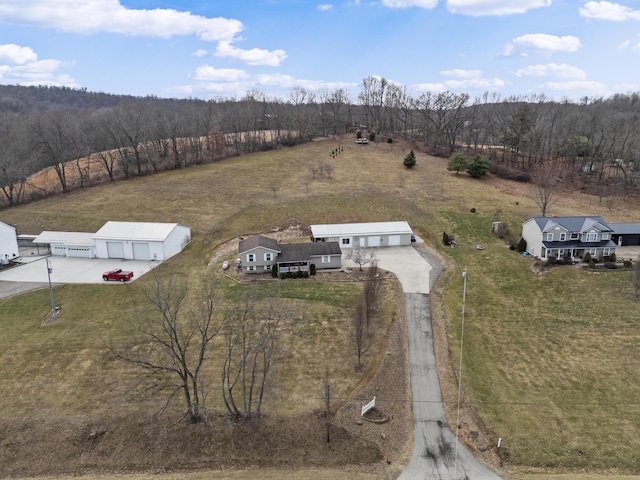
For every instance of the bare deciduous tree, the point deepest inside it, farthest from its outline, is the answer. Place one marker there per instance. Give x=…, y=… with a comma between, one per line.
x=372, y=289
x=251, y=335
x=546, y=181
x=360, y=334
x=635, y=278
x=171, y=342
x=361, y=257
x=274, y=187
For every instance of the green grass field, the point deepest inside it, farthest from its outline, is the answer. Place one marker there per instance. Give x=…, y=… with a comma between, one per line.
x=549, y=359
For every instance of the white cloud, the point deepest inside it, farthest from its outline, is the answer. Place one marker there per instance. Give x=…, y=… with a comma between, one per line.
x=255, y=56
x=636, y=47
x=24, y=68
x=541, y=42
x=623, y=45
x=87, y=17
x=200, y=53
x=609, y=11
x=552, y=69
x=459, y=73
x=325, y=6
x=427, y=4
x=207, y=73
x=577, y=86
x=16, y=54
x=462, y=79
x=494, y=7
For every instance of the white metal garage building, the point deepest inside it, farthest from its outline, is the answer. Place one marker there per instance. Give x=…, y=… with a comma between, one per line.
x=363, y=235
x=8, y=243
x=67, y=244
x=141, y=240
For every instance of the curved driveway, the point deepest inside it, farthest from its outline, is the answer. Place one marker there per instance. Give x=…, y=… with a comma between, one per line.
x=434, y=451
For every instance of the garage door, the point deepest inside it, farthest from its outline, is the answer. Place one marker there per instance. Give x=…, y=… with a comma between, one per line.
x=374, y=241
x=79, y=252
x=59, y=250
x=141, y=251
x=394, y=239
x=115, y=249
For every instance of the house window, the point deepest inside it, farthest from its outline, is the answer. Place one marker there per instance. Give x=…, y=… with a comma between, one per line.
x=593, y=251
x=251, y=268
x=268, y=257
x=549, y=237
x=605, y=236
x=575, y=236
x=592, y=237
x=346, y=241
x=606, y=252
x=563, y=237
x=326, y=259
x=267, y=268
x=251, y=257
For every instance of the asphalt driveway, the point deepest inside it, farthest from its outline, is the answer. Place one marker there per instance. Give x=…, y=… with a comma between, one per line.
x=436, y=452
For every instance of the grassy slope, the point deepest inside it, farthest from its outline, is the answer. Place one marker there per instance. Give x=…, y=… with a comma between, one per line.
x=549, y=359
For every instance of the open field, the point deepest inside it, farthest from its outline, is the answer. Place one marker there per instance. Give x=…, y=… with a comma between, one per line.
x=549, y=359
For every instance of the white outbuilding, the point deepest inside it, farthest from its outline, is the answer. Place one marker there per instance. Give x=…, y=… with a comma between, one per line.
x=364, y=235
x=141, y=240
x=67, y=244
x=8, y=243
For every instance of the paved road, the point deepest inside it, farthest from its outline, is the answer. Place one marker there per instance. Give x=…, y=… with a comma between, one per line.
x=436, y=452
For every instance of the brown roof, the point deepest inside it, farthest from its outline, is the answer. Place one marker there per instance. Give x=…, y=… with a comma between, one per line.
x=258, y=241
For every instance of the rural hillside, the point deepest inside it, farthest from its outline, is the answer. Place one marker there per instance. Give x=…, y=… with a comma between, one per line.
x=548, y=354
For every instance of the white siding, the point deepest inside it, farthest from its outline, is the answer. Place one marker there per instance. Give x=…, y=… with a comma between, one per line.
x=8, y=242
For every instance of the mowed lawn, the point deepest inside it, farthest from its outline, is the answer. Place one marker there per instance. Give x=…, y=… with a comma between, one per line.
x=550, y=359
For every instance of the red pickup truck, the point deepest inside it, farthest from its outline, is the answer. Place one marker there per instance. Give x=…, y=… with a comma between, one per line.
x=117, y=274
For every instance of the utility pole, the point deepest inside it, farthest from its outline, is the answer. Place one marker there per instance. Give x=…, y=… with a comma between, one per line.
x=54, y=313
x=464, y=298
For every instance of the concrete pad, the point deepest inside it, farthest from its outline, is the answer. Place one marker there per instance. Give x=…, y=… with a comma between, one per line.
x=73, y=270
x=411, y=269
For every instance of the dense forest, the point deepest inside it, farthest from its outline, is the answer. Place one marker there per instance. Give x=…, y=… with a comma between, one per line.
x=595, y=141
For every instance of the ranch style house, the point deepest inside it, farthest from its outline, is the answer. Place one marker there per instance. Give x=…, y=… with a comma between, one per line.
x=262, y=254
x=572, y=237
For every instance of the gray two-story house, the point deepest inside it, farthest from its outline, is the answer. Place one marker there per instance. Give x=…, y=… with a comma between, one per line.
x=262, y=254
x=574, y=237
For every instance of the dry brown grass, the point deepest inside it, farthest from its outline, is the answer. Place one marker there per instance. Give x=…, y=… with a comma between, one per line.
x=369, y=183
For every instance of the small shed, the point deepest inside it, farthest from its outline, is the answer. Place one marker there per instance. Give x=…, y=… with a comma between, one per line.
x=141, y=240
x=363, y=235
x=8, y=243
x=67, y=244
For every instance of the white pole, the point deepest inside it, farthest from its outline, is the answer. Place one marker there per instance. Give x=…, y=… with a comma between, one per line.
x=54, y=314
x=464, y=298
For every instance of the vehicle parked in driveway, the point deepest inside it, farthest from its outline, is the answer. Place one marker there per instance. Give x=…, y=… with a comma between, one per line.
x=117, y=274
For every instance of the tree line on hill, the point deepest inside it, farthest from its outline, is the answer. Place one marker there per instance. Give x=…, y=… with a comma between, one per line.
x=56, y=127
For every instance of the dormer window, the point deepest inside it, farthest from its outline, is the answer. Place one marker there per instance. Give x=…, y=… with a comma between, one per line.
x=592, y=237
x=563, y=237
x=549, y=237
x=605, y=236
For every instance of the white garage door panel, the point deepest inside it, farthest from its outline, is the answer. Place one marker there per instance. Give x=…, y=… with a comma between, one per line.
x=394, y=239
x=79, y=252
x=374, y=241
x=141, y=251
x=58, y=250
x=115, y=249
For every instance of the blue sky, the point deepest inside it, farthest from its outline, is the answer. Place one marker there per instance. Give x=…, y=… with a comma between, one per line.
x=213, y=48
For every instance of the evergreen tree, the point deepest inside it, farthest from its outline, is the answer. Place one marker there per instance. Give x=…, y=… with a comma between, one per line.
x=410, y=160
